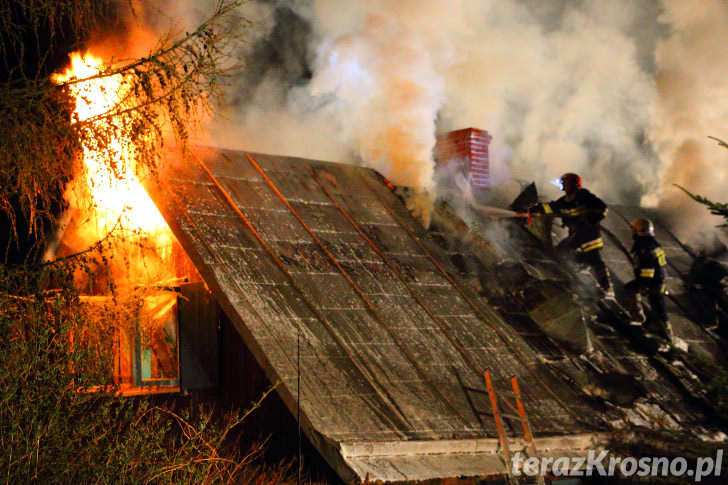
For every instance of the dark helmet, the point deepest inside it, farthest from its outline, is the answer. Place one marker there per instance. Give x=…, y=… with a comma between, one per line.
x=570, y=181
x=643, y=227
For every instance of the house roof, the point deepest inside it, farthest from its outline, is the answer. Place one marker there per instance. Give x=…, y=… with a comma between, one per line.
x=377, y=333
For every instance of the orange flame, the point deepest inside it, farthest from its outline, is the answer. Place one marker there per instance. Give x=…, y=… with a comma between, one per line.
x=117, y=195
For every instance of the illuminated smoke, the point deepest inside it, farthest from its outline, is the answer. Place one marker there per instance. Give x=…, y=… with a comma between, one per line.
x=692, y=103
x=622, y=92
x=559, y=89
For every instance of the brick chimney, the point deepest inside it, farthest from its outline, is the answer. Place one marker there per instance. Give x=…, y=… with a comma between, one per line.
x=469, y=149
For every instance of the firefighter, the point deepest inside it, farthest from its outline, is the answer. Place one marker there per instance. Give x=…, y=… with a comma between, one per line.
x=581, y=212
x=650, y=272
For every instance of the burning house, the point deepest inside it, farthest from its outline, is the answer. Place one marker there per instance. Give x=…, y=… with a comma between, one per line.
x=404, y=351
x=393, y=345
x=380, y=331
x=396, y=347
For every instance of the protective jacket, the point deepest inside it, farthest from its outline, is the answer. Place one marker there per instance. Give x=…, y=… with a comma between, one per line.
x=581, y=213
x=649, y=261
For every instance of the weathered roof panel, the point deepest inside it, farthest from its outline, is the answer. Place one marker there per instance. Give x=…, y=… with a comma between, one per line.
x=393, y=339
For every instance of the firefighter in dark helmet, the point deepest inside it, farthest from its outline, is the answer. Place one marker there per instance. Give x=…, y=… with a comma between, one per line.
x=650, y=272
x=581, y=212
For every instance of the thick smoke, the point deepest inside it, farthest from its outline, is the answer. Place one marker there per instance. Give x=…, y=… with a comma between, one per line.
x=623, y=92
x=691, y=103
x=560, y=87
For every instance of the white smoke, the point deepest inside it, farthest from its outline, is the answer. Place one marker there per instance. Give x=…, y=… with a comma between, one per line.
x=571, y=97
x=622, y=92
x=691, y=103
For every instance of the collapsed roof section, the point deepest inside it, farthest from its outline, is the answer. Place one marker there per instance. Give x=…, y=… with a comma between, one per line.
x=513, y=258
x=553, y=304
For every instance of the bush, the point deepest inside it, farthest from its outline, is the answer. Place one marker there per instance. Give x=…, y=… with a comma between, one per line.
x=54, y=430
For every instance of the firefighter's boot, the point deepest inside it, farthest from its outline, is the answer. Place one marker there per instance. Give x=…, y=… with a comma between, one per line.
x=633, y=304
x=605, y=283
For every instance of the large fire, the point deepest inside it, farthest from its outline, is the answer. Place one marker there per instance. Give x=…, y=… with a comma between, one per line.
x=117, y=196
x=140, y=260
x=107, y=196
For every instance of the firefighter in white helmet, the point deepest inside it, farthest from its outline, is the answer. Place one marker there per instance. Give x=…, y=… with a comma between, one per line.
x=650, y=271
x=581, y=212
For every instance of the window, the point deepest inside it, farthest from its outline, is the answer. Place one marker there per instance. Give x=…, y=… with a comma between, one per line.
x=137, y=342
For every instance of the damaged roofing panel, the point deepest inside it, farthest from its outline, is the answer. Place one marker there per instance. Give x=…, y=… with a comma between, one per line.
x=684, y=306
x=582, y=336
x=393, y=340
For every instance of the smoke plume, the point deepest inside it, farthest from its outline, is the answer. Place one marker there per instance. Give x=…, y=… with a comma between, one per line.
x=691, y=103
x=622, y=92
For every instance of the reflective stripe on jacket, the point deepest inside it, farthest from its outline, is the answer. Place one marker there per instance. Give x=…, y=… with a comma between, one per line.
x=649, y=259
x=591, y=245
x=581, y=213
